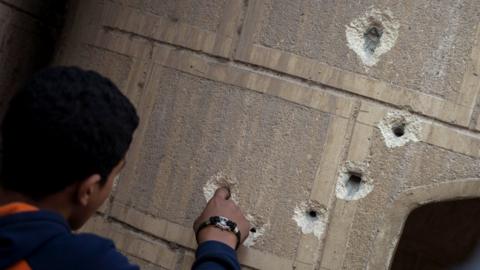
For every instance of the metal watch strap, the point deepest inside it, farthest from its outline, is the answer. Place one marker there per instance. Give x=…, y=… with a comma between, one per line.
x=223, y=224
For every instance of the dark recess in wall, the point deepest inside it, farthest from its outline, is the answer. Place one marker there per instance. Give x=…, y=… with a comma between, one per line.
x=439, y=235
x=29, y=31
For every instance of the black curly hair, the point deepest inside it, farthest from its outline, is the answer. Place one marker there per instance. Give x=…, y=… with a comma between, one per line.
x=64, y=125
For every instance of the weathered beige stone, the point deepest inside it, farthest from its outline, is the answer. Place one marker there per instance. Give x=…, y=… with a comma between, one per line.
x=434, y=38
x=283, y=135
x=275, y=97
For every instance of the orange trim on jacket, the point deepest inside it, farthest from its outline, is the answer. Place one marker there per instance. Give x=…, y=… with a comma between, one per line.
x=21, y=265
x=14, y=208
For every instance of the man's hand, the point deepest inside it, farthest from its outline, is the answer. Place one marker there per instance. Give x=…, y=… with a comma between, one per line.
x=221, y=205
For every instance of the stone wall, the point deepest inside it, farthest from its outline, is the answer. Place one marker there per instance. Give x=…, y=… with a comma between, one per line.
x=330, y=120
x=28, y=33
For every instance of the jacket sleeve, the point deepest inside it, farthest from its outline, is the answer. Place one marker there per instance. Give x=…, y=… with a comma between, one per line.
x=213, y=255
x=113, y=259
x=104, y=254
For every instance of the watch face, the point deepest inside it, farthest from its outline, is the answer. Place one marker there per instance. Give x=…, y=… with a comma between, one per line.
x=223, y=223
x=214, y=219
x=223, y=220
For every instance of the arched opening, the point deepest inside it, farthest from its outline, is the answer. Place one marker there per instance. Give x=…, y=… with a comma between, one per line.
x=442, y=235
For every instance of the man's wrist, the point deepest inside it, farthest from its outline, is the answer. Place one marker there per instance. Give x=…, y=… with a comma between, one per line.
x=212, y=233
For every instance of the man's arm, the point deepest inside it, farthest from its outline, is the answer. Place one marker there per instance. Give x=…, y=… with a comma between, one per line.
x=216, y=250
x=214, y=255
x=113, y=259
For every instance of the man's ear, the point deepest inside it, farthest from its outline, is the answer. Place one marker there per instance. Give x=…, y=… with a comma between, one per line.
x=87, y=188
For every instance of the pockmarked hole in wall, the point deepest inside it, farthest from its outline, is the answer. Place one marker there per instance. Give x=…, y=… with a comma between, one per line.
x=352, y=184
x=372, y=35
x=399, y=128
x=313, y=213
x=257, y=231
x=310, y=218
x=219, y=180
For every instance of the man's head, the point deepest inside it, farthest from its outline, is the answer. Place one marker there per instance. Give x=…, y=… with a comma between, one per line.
x=66, y=129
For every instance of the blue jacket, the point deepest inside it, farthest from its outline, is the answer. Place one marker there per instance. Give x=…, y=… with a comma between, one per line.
x=43, y=240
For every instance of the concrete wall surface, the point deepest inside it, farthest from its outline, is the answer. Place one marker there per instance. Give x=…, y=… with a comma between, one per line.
x=27, y=39
x=28, y=31
x=330, y=120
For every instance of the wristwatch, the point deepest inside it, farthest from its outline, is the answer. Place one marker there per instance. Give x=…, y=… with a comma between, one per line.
x=223, y=224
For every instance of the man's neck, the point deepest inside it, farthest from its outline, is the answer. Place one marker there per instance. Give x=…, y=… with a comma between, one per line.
x=54, y=203
x=7, y=196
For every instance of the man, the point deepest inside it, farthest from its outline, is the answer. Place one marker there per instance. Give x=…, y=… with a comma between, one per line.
x=65, y=137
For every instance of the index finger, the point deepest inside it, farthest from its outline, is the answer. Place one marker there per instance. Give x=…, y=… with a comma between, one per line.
x=223, y=193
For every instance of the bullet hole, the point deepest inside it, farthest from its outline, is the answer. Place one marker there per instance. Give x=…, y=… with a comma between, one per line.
x=310, y=217
x=399, y=130
x=372, y=35
x=313, y=213
x=256, y=233
x=355, y=178
x=354, y=183
x=372, y=38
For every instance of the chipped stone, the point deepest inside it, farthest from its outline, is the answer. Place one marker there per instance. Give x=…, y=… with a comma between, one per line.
x=399, y=128
x=308, y=223
x=353, y=183
x=372, y=35
x=220, y=180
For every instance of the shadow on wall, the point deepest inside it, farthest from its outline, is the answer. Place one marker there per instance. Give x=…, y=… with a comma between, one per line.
x=442, y=235
x=28, y=36
x=29, y=31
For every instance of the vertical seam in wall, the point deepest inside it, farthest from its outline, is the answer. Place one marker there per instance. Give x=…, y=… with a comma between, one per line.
x=333, y=198
x=115, y=191
x=249, y=26
x=237, y=21
x=239, y=29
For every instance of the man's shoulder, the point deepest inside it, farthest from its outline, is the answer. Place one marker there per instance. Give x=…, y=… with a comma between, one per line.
x=80, y=251
x=83, y=244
